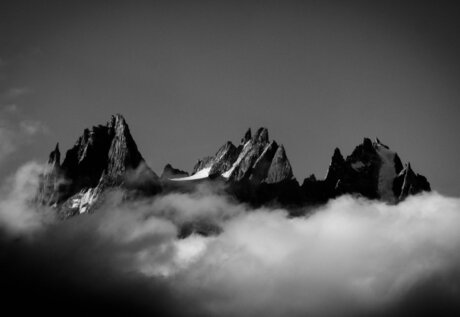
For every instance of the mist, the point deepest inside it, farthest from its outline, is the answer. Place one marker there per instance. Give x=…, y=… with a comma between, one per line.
x=349, y=257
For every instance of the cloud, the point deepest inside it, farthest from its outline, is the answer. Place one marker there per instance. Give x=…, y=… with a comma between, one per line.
x=17, y=211
x=350, y=257
x=33, y=127
x=359, y=255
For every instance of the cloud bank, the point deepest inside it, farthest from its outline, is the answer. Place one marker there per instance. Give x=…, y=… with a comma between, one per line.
x=350, y=257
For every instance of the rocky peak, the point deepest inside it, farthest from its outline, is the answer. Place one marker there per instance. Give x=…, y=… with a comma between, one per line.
x=224, y=149
x=117, y=121
x=364, y=156
x=262, y=161
x=378, y=143
x=123, y=153
x=280, y=168
x=55, y=157
x=398, y=164
x=337, y=157
x=262, y=164
x=106, y=156
x=256, y=160
x=103, y=156
x=409, y=183
x=224, y=159
x=374, y=171
x=107, y=150
x=367, y=145
x=87, y=159
x=336, y=168
x=408, y=172
x=202, y=163
x=48, y=187
x=247, y=136
x=220, y=162
x=261, y=136
x=249, y=155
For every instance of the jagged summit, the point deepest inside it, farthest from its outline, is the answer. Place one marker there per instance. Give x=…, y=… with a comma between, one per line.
x=374, y=171
x=104, y=156
x=280, y=168
x=256, y=160
x=261, y=135
x=257, y=170
x=55, y=156
x=117, y=119
x=409, y=183
x=371, y=170
x=377, y=141
x=247, y=136
x=107, y=150
x=123, y=153
x=336, y=167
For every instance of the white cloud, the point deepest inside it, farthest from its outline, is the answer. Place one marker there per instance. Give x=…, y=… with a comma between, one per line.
x=356, y=254
x=17, y=211
x=359, y=255
x=350, y=256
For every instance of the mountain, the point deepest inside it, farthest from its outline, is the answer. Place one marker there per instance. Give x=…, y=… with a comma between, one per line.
x=256, y=171
x=256, y=160
x=374, y=171
x=104, y=157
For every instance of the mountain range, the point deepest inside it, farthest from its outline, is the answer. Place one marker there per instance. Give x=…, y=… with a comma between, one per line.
x=256, y=171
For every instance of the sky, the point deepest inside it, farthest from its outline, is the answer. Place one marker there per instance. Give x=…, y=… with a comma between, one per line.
x=189, y=76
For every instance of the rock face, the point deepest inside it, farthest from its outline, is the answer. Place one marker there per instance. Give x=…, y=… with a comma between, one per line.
x=223, y=159
x=51, y=179
x=104, y=157
x=255, y=160
x=256, y=171
x=409, y=183
x=202, y=164
x=374, y=171
x=171, y=172
x=280, y=168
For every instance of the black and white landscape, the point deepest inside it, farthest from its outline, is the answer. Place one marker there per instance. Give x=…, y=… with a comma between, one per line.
x=229, y=159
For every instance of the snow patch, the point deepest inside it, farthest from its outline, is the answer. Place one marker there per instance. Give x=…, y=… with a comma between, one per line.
x=201, y=174
x=84, y=199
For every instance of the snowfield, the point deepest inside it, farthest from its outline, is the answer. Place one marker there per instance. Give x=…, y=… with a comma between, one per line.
x=201, y=174
x=84, y=200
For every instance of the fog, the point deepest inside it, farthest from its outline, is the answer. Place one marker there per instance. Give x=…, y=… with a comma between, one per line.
x=349, y=257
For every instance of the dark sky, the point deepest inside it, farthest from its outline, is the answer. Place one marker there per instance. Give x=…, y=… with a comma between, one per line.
x=190, y=75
